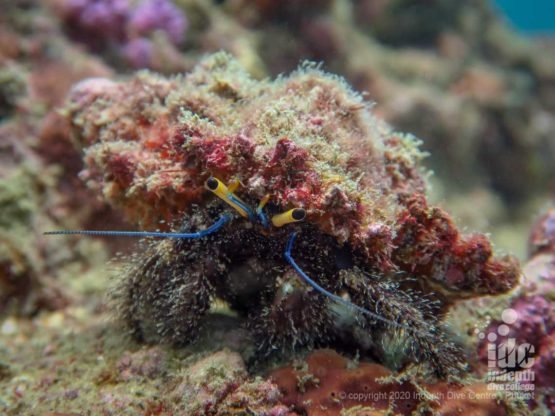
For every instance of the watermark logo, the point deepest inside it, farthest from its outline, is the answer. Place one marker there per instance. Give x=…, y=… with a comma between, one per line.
x=509, y=363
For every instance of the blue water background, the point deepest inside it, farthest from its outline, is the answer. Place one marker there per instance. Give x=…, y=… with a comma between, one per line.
x=533, y=16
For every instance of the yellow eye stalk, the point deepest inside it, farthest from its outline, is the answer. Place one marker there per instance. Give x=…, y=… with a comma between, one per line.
x=288, y=217
x=218, y=188
x=226, y=194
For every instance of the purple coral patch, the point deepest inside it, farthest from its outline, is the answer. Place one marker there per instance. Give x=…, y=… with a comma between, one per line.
x=124, y=27
x=152, y=15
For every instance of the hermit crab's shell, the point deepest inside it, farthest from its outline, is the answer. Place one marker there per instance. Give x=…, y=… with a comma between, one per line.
x=306, y=139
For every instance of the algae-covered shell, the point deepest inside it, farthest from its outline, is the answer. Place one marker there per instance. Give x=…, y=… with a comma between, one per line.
x=305, y=139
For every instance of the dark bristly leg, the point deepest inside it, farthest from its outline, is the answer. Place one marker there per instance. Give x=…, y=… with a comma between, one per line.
x=427, y=341
x=292, y=316
x=382, y=304
x=163, y=293
x=330, y=295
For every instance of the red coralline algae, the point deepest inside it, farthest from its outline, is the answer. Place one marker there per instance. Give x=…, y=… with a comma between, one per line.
x=428, y=243
x=326, y=384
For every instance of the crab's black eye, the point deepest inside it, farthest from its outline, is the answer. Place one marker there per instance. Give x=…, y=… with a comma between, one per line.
x=298, y=214
x=212, y=183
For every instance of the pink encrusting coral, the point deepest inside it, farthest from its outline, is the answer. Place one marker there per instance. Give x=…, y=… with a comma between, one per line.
x=307, y=140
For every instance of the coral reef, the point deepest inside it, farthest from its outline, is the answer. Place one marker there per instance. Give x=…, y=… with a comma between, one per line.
x=479, y=96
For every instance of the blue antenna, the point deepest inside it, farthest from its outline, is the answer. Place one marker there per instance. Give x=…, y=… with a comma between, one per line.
x=199, y=234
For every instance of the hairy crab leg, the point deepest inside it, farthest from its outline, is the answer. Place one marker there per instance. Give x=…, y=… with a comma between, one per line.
x=224, y=219
x=330, y=295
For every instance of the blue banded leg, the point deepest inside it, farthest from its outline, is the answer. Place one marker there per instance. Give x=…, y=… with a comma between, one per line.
x=330, y=295
x=224, y=219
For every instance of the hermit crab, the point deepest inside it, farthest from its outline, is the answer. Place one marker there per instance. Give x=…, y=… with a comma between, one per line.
x=167, y=289
x=322, y=235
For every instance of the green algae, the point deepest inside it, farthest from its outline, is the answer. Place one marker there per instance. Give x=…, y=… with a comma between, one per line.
x=12, y=87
